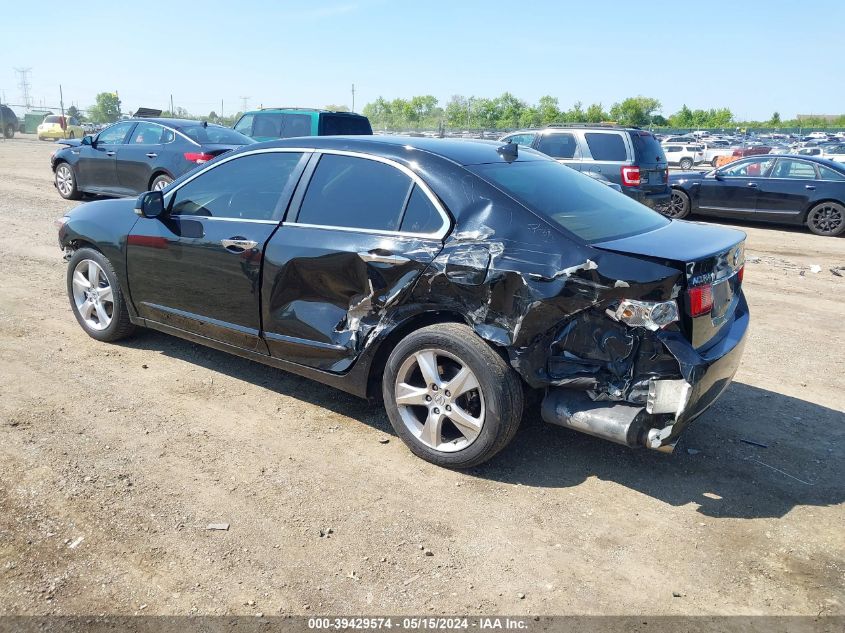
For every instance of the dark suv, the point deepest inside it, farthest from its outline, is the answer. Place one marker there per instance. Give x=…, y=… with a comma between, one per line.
x=8, y=121
x=271, y=123
x=627, y=156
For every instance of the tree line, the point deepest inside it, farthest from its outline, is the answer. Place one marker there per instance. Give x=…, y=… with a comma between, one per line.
x=505, y=112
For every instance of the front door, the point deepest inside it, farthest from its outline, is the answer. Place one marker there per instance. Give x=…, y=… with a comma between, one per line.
x=353, y=248
x=96, y=167
x=199, y=267
x=734, y=192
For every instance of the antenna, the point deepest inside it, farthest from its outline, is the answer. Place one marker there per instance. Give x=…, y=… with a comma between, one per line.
x=24, y=85
x=244, y=104
x=353, y=97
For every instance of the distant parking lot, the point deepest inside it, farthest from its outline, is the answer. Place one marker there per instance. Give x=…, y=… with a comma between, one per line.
x=115, y=459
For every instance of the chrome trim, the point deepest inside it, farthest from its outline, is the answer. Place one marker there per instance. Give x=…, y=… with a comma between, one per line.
x=244, y=245
x=208, y=217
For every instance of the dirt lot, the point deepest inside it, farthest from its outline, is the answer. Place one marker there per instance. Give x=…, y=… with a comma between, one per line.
x=115, y=458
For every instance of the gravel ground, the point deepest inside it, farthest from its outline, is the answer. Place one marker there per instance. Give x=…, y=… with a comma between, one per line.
x=115, y=458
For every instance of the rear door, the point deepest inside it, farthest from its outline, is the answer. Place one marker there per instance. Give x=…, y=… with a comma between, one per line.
x=358, y=236
x=734, y=193
x=97, y=166
x=562, y=146
x=788, y=191
x=606, y=153
x=198, y=269
x=136, y=158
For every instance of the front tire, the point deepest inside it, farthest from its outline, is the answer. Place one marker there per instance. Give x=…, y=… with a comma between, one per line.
x=450, y=397
x=66, y=182
x=160, y=182
x=827, y=218
x=9, y=132
x=96, y=298
x=686, y=164
x=714, y=163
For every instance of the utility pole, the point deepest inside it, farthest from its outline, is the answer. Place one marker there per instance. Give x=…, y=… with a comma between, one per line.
x=62, y=107
x=172, y=112
x=353, y=97
x=221, y=108
x=24, y=85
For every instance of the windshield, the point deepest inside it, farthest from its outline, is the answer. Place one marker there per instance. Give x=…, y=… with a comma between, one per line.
x=215, y=134
x=583, y=206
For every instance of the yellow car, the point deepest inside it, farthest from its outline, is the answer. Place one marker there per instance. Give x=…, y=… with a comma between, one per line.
x=54, y=127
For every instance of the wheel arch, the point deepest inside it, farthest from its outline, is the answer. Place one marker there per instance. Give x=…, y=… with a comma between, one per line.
x=811, y=205
x=159, y=171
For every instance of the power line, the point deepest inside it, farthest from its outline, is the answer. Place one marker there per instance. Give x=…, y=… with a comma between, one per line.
x=24, y=85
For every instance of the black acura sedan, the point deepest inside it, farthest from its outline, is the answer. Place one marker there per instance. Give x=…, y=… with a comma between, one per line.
x=799, y=190
x=138, y=155
x=447, y=278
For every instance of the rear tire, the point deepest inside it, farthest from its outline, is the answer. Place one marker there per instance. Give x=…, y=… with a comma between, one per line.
x=9, y=132
x=450, y=397
x=686, y=164
x=715, y=162
x=96, y=298
x=678, y=206
x=160, y=182
x=827, y=218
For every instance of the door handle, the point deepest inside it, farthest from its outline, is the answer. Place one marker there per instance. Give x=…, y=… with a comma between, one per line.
x=110, y=153
x=238, y=244
x=151, y=155
x=382, y=256
x=753, y=185
x=810, y=187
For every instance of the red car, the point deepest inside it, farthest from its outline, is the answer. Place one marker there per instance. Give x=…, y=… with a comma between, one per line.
x=742, y=152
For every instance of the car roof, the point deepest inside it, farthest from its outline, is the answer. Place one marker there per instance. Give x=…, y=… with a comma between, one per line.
x=175, y=123
x=826, y=162
x=460, y=151
x=293, y=110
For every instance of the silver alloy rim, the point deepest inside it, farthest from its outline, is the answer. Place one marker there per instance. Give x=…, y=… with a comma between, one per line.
x=675, y=208
x=64, y=180
x=92, y=294
x=827, y=218
x=160, y=184
x=439, y=400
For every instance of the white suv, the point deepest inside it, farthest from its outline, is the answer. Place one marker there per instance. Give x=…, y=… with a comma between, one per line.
x=685, y=156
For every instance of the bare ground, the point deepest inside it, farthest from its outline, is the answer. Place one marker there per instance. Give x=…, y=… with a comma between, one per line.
x=114, y=458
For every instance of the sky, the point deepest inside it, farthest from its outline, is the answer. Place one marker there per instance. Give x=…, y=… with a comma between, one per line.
x=753, y=56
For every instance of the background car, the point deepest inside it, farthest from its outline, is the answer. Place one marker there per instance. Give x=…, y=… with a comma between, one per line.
x=774, y=188
x=137, y=155
x=272, y=123
x=8, y=121
x=685, y=156
x=627, y=156
x=55, y=127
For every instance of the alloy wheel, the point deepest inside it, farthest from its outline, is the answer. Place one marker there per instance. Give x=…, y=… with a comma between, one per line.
x=439, y=400
x=160, y=184
x=64, y=179
x=676, y=208
x=93, y=295
x=827, y=218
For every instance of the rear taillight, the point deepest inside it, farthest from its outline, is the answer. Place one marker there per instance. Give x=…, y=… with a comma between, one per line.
x=666, y=175
x=700, y=300
x=740, y=273
x=631, y=176
x=198, y=157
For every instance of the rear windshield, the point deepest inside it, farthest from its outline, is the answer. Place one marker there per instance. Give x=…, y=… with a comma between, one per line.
x=52, y=119
x=583, y=206
x=281, y=125
x=647, y=148
x=215, y=134
x=331, y=124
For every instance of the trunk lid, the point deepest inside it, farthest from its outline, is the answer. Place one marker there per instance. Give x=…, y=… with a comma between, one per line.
x=215, y=149
x=712, y=259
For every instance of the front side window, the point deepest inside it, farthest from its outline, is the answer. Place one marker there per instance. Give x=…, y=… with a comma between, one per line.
x=115, y=134
x=757, y=168
x=606, y=146
x=558, y=145
x=581, y=205
x=244, y=125
x=351, y=192
x=797, y=169
x=521, y=139
x=245, y=188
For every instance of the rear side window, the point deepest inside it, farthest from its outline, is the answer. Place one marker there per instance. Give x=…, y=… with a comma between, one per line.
x=332, y=124
x=603, y=146
x=420, y=215
x=246, y=188
x=797, y=169
x=581, y=205
x=558, y=145
x=355, y=193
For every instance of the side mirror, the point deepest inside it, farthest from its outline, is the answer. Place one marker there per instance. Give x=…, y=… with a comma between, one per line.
x=87, y=140
x=150, y=204
x=718, y=175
